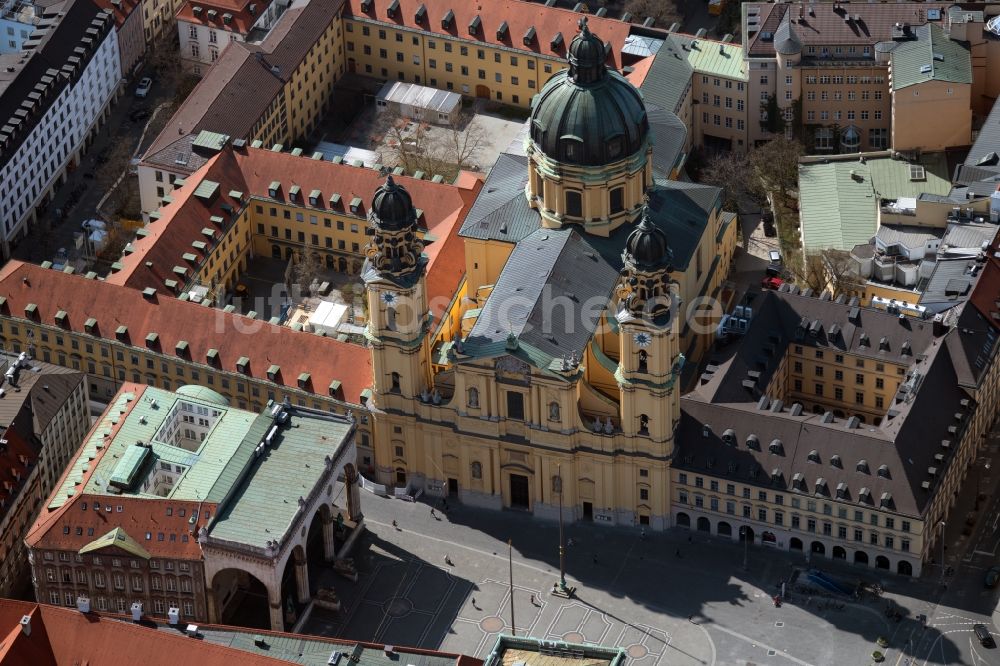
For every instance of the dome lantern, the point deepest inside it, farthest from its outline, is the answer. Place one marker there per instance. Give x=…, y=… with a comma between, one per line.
x=588, y=115
x=392, y=208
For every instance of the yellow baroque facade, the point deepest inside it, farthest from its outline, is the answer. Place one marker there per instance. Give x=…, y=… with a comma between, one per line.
x=568, y=361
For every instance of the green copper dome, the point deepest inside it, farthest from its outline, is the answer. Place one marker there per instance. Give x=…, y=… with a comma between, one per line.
x=587, y=115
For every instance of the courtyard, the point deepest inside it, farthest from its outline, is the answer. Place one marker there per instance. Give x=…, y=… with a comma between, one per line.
x=442, y=581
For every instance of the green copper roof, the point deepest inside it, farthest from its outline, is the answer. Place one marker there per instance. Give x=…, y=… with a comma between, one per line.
x=203, y=468
x=129, y=465
x=839, y=200
x=930, y=57
x=117, y=538
x=705, y=56
x=203, y=394
x=210, y=140
x=263, y=507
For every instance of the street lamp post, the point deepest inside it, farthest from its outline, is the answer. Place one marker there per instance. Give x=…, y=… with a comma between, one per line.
x=746, y=546
x=562, y=545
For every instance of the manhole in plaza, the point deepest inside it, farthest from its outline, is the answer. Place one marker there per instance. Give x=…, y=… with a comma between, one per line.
x=398, y=607
x=573, y=637
x=637, y=651
x=771, y=653
x=491, y=625
x=779, y=624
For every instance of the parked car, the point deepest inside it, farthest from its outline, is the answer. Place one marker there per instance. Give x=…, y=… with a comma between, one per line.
x=771, y=282
x=992, y=577
x=143, y=88
x=984, y=635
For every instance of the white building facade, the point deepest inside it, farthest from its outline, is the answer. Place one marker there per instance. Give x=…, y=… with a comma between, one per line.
x=63, y=104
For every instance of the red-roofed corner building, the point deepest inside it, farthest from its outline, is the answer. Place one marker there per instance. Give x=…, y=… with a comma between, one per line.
x=128, y=23
x=206, y=28
x=170, y=509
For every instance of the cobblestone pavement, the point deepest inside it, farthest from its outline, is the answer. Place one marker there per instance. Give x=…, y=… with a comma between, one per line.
x=665, y=598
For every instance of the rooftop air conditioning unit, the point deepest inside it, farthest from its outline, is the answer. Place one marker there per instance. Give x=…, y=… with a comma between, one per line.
x=83, y=604
x=136, y=611
x=173, y=616
x=192, y=630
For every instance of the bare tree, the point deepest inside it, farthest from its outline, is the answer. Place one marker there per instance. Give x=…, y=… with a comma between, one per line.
x=664, y=12
x=462, y=145
x=776, y=164
x=307, y=268
x=419, y=146
x=735, y=174
x=829, y=270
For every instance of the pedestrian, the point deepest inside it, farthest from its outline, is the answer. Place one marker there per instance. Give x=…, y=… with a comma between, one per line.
x=677, y=552
x=533, y=600
x=595, y=558
x=433, y=515
x=689, y=538
x=642, y=534
x=395, y=524
x=691, y=619
x=474, y=603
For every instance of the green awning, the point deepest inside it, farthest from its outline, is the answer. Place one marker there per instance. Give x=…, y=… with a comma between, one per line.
x=152, y=338
x=181, y=347
x=90, y=323
x=30, y=309
x=335, y=387
x=274, y=187
x=212, y=354
x=61, y=315
x=242, y=362
x=187, y=256
x=294, y=190
x=304, y=379
x=273, y=370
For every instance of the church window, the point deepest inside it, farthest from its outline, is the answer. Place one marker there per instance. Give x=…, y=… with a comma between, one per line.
x=643, y=424
x=574, y=203
x=474, y=397
x=643, y=360
x=617, y=200
x=395, y=382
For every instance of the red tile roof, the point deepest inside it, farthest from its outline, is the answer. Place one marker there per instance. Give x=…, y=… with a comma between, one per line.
x=122, y=10
x=63, y=636
x=66, y=637
x=242, y=18
x=174, y=320
x=251, y=172
x=57, y=529
x=519, y=16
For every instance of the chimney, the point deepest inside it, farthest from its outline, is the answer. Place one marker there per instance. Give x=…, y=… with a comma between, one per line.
x=26, y=624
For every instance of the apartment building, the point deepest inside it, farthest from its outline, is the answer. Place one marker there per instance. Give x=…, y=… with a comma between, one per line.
x=170, y=507
x=44, y=413
x=117, y=334
x=827, y=70
x=837, y=430
x=205, y=29
x=55, y=95
x=282, y=205
x=158, y=17
x=272, y=89
x=504, y=51
x=129, y=25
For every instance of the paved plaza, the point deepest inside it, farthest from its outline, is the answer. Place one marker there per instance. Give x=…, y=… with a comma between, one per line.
x=666, y=599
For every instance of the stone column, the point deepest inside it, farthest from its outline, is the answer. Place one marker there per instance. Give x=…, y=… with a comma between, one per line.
x=353, y=492
x=274, y=606
x=329, y=544
x=302, y=581
x=213, y=608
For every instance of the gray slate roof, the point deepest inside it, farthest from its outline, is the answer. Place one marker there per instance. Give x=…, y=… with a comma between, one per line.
x=969, y=235
x=668, y=77
x=669, y=134
x=501, y=211
x=545, y=297
x=949, y=284
x=906, y=442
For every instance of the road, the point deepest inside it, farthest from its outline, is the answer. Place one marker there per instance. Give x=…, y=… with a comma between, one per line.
x=120, y=127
